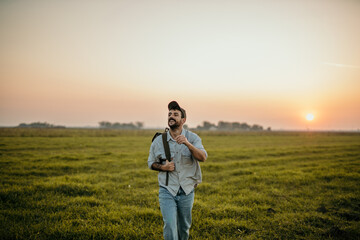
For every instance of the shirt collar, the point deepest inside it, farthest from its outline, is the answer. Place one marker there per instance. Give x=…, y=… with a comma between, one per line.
x=169, y=137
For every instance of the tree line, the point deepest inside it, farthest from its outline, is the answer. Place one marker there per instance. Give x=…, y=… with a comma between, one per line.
x=117, y=125
x=231, y=126
x=222, y=125
x=39, y=125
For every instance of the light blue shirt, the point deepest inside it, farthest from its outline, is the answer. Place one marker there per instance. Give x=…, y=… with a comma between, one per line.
x=187, y=173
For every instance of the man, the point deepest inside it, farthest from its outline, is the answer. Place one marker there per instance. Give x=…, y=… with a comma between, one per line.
x=177, y=197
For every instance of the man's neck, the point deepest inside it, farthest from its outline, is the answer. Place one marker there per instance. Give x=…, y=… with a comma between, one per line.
x=176, y=132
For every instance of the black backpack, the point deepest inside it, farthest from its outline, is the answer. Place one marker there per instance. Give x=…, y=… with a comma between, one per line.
x=166, y=148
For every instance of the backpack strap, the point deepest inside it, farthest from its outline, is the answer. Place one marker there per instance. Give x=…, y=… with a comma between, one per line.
x=155, y=136
x=166, y=146
x=167, y=152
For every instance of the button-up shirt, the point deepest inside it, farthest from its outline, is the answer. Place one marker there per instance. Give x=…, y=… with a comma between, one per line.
x=187, y=173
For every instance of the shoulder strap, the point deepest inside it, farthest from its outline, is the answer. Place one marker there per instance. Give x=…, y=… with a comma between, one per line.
x=166, y=146
x=155, y=136
x=167, y=152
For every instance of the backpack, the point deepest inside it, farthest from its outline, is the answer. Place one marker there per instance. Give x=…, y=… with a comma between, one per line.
x=166, y=148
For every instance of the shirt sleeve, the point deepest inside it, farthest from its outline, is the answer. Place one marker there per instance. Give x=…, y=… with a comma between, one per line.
x=152, y=157
x=198, y=143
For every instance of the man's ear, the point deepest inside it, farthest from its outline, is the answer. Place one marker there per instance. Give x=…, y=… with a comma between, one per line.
x=183, y=120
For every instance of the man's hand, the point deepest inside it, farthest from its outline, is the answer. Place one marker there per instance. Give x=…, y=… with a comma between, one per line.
x=181, y=139
x=168, y=167
x=197, y=153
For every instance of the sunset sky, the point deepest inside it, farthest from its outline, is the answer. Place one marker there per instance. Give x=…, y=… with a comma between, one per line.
x=269, y=62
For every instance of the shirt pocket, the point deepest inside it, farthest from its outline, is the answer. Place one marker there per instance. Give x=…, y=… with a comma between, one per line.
x=186, y=156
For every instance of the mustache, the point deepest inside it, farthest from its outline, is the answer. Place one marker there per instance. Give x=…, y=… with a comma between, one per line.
x=171, y=119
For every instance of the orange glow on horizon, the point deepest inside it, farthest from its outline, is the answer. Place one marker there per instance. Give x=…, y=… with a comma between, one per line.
x=76, y=64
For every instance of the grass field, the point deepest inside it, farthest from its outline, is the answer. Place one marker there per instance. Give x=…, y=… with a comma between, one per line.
x=95, y=184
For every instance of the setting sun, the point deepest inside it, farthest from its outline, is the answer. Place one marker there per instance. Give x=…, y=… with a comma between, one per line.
x=310, y=117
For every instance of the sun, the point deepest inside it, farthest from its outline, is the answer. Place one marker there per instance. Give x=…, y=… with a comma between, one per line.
x=310, y=117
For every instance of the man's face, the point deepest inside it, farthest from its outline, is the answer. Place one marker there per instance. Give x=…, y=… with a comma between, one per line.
x=174, y=119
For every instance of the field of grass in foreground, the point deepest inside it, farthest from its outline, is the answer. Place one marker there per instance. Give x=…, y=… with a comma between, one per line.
x=95, y=184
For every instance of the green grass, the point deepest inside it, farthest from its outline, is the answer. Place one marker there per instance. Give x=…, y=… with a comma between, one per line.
x=95, y=184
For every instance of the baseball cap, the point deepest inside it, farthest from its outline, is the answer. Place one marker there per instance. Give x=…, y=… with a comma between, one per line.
x=175, y=105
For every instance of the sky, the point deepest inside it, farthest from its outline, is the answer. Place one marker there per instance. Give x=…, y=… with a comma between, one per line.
x=270, y=62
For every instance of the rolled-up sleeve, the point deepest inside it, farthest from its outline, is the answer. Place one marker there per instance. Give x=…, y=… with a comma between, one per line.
x=196, y=141
x=152, y=157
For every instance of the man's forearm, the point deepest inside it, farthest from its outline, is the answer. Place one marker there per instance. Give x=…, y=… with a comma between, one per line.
x=197, y=153
x=156, y=166
x=168, y=167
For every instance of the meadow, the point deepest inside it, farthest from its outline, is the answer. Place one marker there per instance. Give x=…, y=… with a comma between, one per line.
x=95, y=184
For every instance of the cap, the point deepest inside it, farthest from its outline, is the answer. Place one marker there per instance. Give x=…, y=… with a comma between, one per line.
x=175, y=105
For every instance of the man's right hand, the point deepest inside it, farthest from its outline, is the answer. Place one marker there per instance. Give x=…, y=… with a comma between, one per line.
x=168, y=167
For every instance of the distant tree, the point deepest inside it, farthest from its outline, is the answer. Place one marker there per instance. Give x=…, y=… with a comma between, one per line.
x=139, y=124
x=117, y=125
x=256, y=127
x=105, y=124
x=224, y=125
x=235, y=125
x=208, y=125
x=245, y=126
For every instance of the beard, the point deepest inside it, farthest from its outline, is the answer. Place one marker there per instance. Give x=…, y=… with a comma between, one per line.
x=175, y=125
